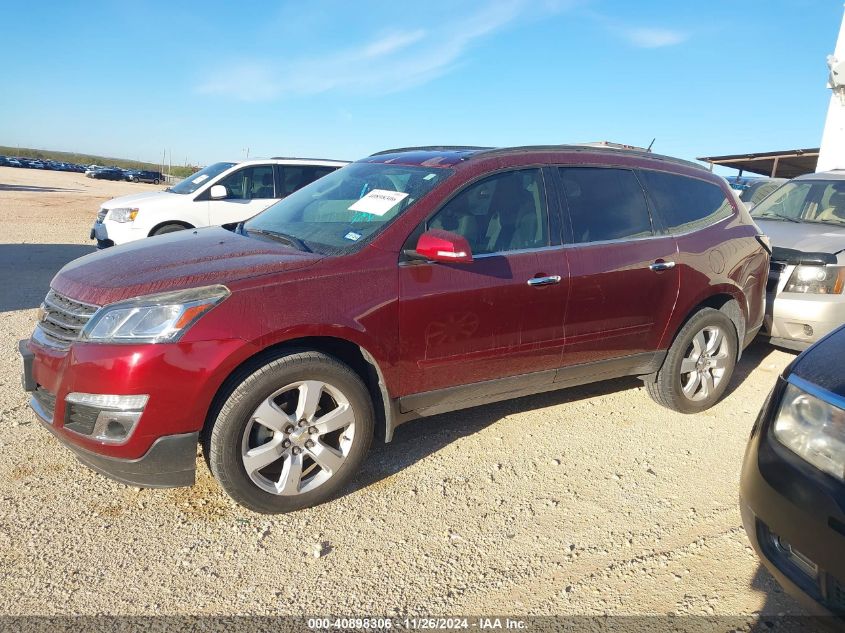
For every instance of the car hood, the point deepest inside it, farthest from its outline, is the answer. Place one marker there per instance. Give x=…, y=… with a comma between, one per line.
x=821, y=364
x=175, y=261
x=147, y=197
x=807, y=236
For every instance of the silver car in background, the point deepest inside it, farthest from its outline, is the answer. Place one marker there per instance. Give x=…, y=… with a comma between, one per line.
x=805, y=221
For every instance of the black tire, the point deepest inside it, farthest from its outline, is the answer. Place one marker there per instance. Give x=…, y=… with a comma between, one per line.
x=135, y=179
x=155, y=182
x=225, y=441
x=168, y=228
x=667, y=388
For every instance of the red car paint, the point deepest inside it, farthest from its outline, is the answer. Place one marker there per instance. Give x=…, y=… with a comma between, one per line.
x=426, y=327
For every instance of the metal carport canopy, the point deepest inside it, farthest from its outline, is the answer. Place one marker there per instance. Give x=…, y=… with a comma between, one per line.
x=786, y=164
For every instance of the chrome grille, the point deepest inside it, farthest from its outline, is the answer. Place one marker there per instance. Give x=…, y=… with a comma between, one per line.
x=62, y=319
x=101, y=214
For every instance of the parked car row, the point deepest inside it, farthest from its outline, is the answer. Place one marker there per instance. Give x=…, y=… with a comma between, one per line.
x=36, y=163
x=92, y=171
x=118, y=173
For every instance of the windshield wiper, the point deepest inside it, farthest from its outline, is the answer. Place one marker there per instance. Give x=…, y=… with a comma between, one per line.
x=281, y=237
x=779, y=216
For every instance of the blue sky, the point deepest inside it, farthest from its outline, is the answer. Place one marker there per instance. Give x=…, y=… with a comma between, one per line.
x=343, y=79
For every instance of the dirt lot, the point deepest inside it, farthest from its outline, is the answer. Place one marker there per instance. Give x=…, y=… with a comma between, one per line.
x=588, y=501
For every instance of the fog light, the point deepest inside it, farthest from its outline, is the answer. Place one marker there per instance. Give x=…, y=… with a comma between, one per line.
x=808, y=330
x=104, y=417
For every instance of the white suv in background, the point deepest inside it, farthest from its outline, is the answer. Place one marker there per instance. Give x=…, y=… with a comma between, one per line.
x=219, y=194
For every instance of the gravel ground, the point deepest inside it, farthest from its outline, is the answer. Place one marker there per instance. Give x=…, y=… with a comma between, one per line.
x=592, y=500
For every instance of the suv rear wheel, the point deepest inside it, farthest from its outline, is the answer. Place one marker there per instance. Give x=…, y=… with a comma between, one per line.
x=699, y=364
x=291, y=434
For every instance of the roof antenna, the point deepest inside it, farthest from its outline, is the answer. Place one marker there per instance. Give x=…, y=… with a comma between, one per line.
x=648, y=149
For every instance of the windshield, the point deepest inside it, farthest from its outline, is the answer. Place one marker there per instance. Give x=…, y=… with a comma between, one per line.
x=195, y=181
x=805, y=201
x=348, y=206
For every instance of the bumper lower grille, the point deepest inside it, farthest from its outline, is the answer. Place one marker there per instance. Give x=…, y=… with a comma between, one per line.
x=835, y=595
x=45, y=402
x=62, y=320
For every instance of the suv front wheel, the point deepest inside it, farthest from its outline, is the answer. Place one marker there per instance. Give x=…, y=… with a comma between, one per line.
x=699, y=365
x=291, y=434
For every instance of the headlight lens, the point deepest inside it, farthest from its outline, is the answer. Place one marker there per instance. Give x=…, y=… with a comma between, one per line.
x=812, y=429
x=821, y=280
x=161, y=318
x=123, y=214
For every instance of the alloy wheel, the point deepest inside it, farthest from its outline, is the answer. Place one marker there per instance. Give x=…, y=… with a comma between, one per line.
x=703, y=366
x=298, y=438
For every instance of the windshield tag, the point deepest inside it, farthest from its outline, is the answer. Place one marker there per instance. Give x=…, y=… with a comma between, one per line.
x=430, y=176
x=378, y=201
x=200, y=179
x=352, y=235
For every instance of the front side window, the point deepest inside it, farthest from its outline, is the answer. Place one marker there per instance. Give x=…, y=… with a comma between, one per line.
x=605, y=204
x=197, y=180
x=343, y=209
x=250, y=183
x=505, y=212
x=686, y=204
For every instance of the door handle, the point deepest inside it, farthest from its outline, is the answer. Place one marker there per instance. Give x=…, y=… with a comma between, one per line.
x=661, y=265
x=544, y=281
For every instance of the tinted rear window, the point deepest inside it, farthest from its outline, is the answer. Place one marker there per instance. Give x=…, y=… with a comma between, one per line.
x=686, y=204
x=605, y=204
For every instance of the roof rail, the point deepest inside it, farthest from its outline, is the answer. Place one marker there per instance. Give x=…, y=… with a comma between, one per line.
x=432, y=148
x=586, y=148
x=334, y=160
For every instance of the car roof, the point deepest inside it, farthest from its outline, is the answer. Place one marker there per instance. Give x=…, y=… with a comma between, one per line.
x=449, y=156
x=836, y=174
x=281, y=160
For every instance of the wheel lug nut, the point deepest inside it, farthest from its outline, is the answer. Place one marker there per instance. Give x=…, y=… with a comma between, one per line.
x=312, y=430
x=296, y=450
x=286, y=444
x=289, y=428
x=301, y=423
x=309, y=444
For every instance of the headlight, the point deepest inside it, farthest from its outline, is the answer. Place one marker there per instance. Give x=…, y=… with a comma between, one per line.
x=161, y=318
x=820, y=280
x=812, y=429
x=123, y=214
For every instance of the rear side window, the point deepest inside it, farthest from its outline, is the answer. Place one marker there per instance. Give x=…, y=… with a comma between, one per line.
x=295, y=177
x=605, y=204
x=686, y=204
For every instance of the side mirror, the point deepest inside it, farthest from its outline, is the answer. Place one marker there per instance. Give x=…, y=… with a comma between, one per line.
x=443, y=246
x=218, y=192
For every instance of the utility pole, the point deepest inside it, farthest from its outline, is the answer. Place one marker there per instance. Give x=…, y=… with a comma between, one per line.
x=832, y=151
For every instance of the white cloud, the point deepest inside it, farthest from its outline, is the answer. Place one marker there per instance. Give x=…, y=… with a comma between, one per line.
x=652, y=37
x=388, y=63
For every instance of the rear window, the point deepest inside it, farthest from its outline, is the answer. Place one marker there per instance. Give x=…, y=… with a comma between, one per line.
x=686, y=204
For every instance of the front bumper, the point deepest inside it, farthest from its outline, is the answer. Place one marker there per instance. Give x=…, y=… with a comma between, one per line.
x=796, y=321
x=109, y=233
x=180, y=378
x=786, y=500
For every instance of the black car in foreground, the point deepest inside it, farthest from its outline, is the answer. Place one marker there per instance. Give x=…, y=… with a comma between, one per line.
x=793, y=478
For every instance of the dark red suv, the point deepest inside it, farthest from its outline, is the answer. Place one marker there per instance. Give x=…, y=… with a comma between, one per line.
x=404, y=285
